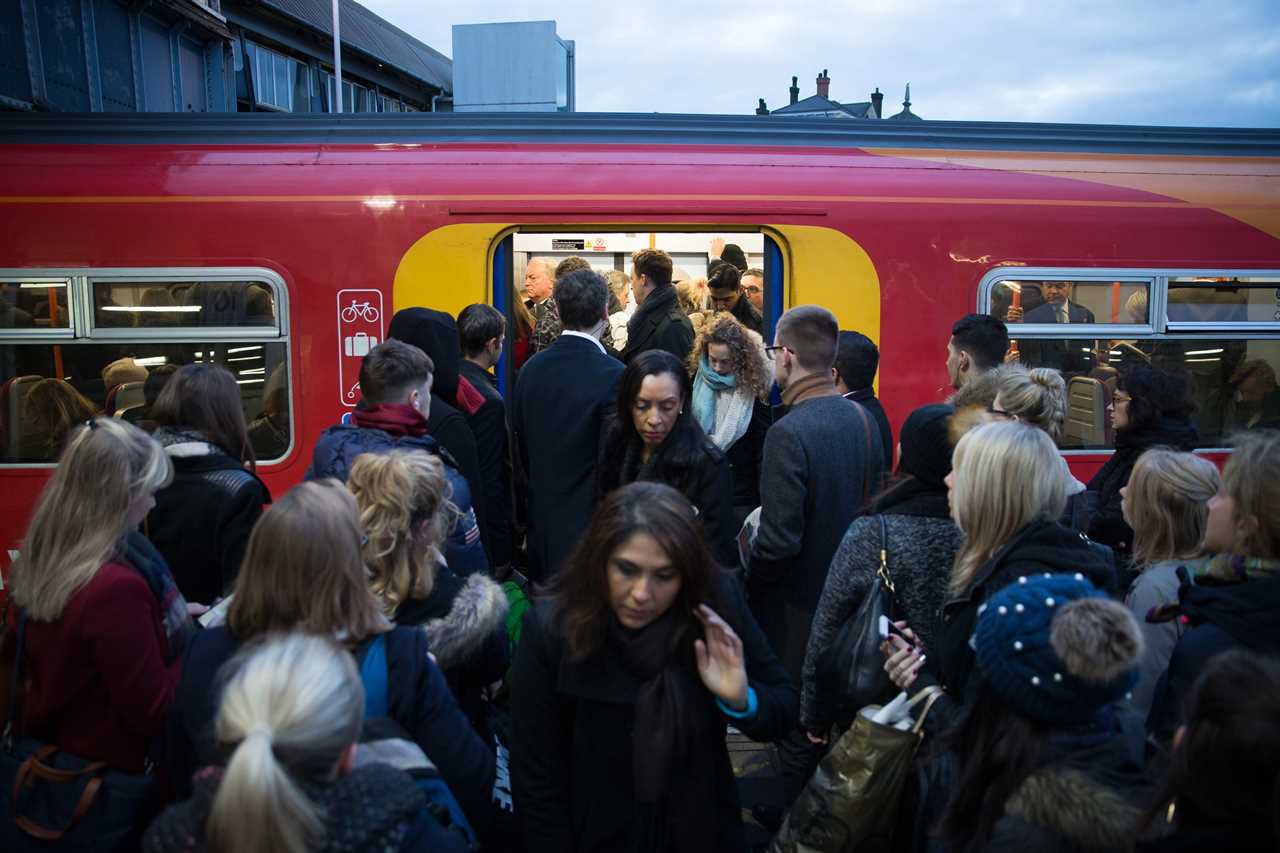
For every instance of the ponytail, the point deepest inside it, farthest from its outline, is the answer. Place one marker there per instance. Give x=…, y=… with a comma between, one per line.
x=292, y=707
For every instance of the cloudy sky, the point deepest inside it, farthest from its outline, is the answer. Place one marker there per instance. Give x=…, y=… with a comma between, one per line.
x=1167, y=62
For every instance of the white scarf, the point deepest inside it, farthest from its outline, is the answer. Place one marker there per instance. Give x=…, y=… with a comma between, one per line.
x=733, y=416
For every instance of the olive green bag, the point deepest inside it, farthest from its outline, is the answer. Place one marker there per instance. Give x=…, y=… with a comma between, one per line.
x=851, y=803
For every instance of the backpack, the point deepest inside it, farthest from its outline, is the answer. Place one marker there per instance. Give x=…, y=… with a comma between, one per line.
x=385, y=741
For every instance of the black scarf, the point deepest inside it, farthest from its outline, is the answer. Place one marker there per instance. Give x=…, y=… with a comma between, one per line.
x=912, y=497
x=673, y=769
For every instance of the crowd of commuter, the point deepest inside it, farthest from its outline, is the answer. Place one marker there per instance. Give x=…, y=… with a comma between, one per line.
x=530, y=623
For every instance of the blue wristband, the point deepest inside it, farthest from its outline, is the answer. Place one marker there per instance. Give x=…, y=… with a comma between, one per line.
x=753, y=705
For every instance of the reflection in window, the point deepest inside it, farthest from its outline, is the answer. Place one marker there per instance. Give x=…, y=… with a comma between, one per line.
x=1233, y=382
x=183, y=304
x=34, y=305
x=1059, y=301
x=1224, y=300
x=45, y=389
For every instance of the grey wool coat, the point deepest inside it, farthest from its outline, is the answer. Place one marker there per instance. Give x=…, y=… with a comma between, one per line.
x=821, y=461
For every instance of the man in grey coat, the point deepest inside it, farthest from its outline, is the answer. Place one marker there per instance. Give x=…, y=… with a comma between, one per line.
x=821, y=463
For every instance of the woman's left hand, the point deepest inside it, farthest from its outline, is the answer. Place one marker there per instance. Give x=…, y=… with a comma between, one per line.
x=720, y=661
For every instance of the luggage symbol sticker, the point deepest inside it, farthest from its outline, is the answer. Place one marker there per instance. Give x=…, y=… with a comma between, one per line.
x=360, y=317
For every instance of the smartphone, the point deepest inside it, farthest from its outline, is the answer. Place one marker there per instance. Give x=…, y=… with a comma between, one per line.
x=887, y=627
x=217, y=614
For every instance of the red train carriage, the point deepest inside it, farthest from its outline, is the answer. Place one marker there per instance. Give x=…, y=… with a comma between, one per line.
x=281, y=246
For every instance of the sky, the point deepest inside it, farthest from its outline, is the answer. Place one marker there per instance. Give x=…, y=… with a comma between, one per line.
x=1175, y=62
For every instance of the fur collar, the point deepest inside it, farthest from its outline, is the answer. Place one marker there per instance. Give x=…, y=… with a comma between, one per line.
x=1080, y=809
x=478, y=610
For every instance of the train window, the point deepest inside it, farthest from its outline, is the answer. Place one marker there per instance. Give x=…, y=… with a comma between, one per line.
x=34, y=303
x=109, y=362
x=1229, y=299
x=1058, y=301
x=1220, y=331
x=182, y=304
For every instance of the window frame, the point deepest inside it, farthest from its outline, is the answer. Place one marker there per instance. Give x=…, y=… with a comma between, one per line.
x=1158, y=327
x=80, y=280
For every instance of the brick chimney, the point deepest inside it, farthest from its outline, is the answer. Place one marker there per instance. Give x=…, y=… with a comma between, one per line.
x=795, y=91
x=824, y=85
x=762, y=110
x=877, y=100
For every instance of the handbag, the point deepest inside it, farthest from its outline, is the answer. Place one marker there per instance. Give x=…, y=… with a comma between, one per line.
x=851, y=802
x=851, y=670
x=53, y=800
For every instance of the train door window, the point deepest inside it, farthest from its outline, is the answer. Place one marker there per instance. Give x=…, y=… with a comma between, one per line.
x=523, y=259
x=1220, y=332
x=124, y=333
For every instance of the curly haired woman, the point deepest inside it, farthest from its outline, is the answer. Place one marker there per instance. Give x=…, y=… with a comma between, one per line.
x=730, y=384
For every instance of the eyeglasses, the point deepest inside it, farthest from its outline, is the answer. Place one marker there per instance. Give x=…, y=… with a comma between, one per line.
x=771, y=350
x=753, y=289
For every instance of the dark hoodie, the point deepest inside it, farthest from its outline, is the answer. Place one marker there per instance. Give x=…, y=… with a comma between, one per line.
x=1042, y=546
x=1222, y=617
x=1106, y=522
x=436, y=334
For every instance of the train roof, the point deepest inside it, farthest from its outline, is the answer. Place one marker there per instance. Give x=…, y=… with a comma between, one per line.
x=623, y=129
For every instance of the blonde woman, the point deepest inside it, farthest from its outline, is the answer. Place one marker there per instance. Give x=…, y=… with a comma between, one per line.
x=1006, y=490
x=289, y=719
x=731, y=382
x=1039, y=397
x=1166, y=502
x=105, y=625
x=403, y=498
x=303, y=571
x=1233, y=600
x=620, y=288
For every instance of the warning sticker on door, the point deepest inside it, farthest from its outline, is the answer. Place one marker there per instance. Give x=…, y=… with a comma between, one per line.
x=359, y=330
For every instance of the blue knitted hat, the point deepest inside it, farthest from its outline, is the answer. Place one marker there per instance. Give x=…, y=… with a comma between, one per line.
x=1056, y=648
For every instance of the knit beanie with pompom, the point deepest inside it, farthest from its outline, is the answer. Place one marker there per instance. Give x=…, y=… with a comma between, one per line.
x=1056, y=648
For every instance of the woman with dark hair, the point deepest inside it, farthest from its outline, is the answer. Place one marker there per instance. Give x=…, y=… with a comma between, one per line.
x=1150, y=408
x=53, y=407
x=910, y=524
x=731, y=381
x=201, y=522
x=625, y=679
x=653, y=435
x=1222, y=789
x=1047, y=759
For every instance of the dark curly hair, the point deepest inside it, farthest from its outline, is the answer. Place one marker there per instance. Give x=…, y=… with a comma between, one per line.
x=745, y=353
x=1155, y=394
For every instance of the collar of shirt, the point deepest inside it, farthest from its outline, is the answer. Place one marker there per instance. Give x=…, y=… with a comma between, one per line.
x=593, y=340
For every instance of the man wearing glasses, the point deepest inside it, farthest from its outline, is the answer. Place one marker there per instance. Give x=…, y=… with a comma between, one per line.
x=753, y=287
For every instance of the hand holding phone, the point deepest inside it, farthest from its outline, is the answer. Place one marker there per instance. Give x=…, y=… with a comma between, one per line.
x=889, y=628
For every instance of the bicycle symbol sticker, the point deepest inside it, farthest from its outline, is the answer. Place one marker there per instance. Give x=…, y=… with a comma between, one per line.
x=360, y=316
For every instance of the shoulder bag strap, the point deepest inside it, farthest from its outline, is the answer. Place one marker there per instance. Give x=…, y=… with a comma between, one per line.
x=866, y=430
x=882, y=571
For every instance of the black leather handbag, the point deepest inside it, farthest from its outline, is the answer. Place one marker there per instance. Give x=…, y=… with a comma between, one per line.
x=53, y=800
x=850, y=672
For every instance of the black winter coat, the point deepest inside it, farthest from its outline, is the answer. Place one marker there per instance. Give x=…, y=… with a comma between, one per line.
x=744, y=457
x=1042, y=546
x=436, y=334
x=1106, y=522
x=1222, y=618
x=489, y=425
x=708, y=484
x=465, y=621
x=202, y=520
x=1086, y=798
x=417, y=698
x=571, y=766
x=866, y=397
x=660, y=323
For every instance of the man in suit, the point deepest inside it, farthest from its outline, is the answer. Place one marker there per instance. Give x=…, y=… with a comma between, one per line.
x=659, y=321
x=857, y=359
x=557, y=409
x=1057, y=307
x=481, y=331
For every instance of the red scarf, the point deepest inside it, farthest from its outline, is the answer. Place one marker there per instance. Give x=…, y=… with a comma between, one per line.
x=468, y=398
x=398, y=419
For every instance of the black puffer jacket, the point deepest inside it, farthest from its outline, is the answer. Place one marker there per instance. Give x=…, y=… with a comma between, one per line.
x=202, y=520
x=1042, y=546
x=465, y=621
x=1106, y=522
x=436, y=334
